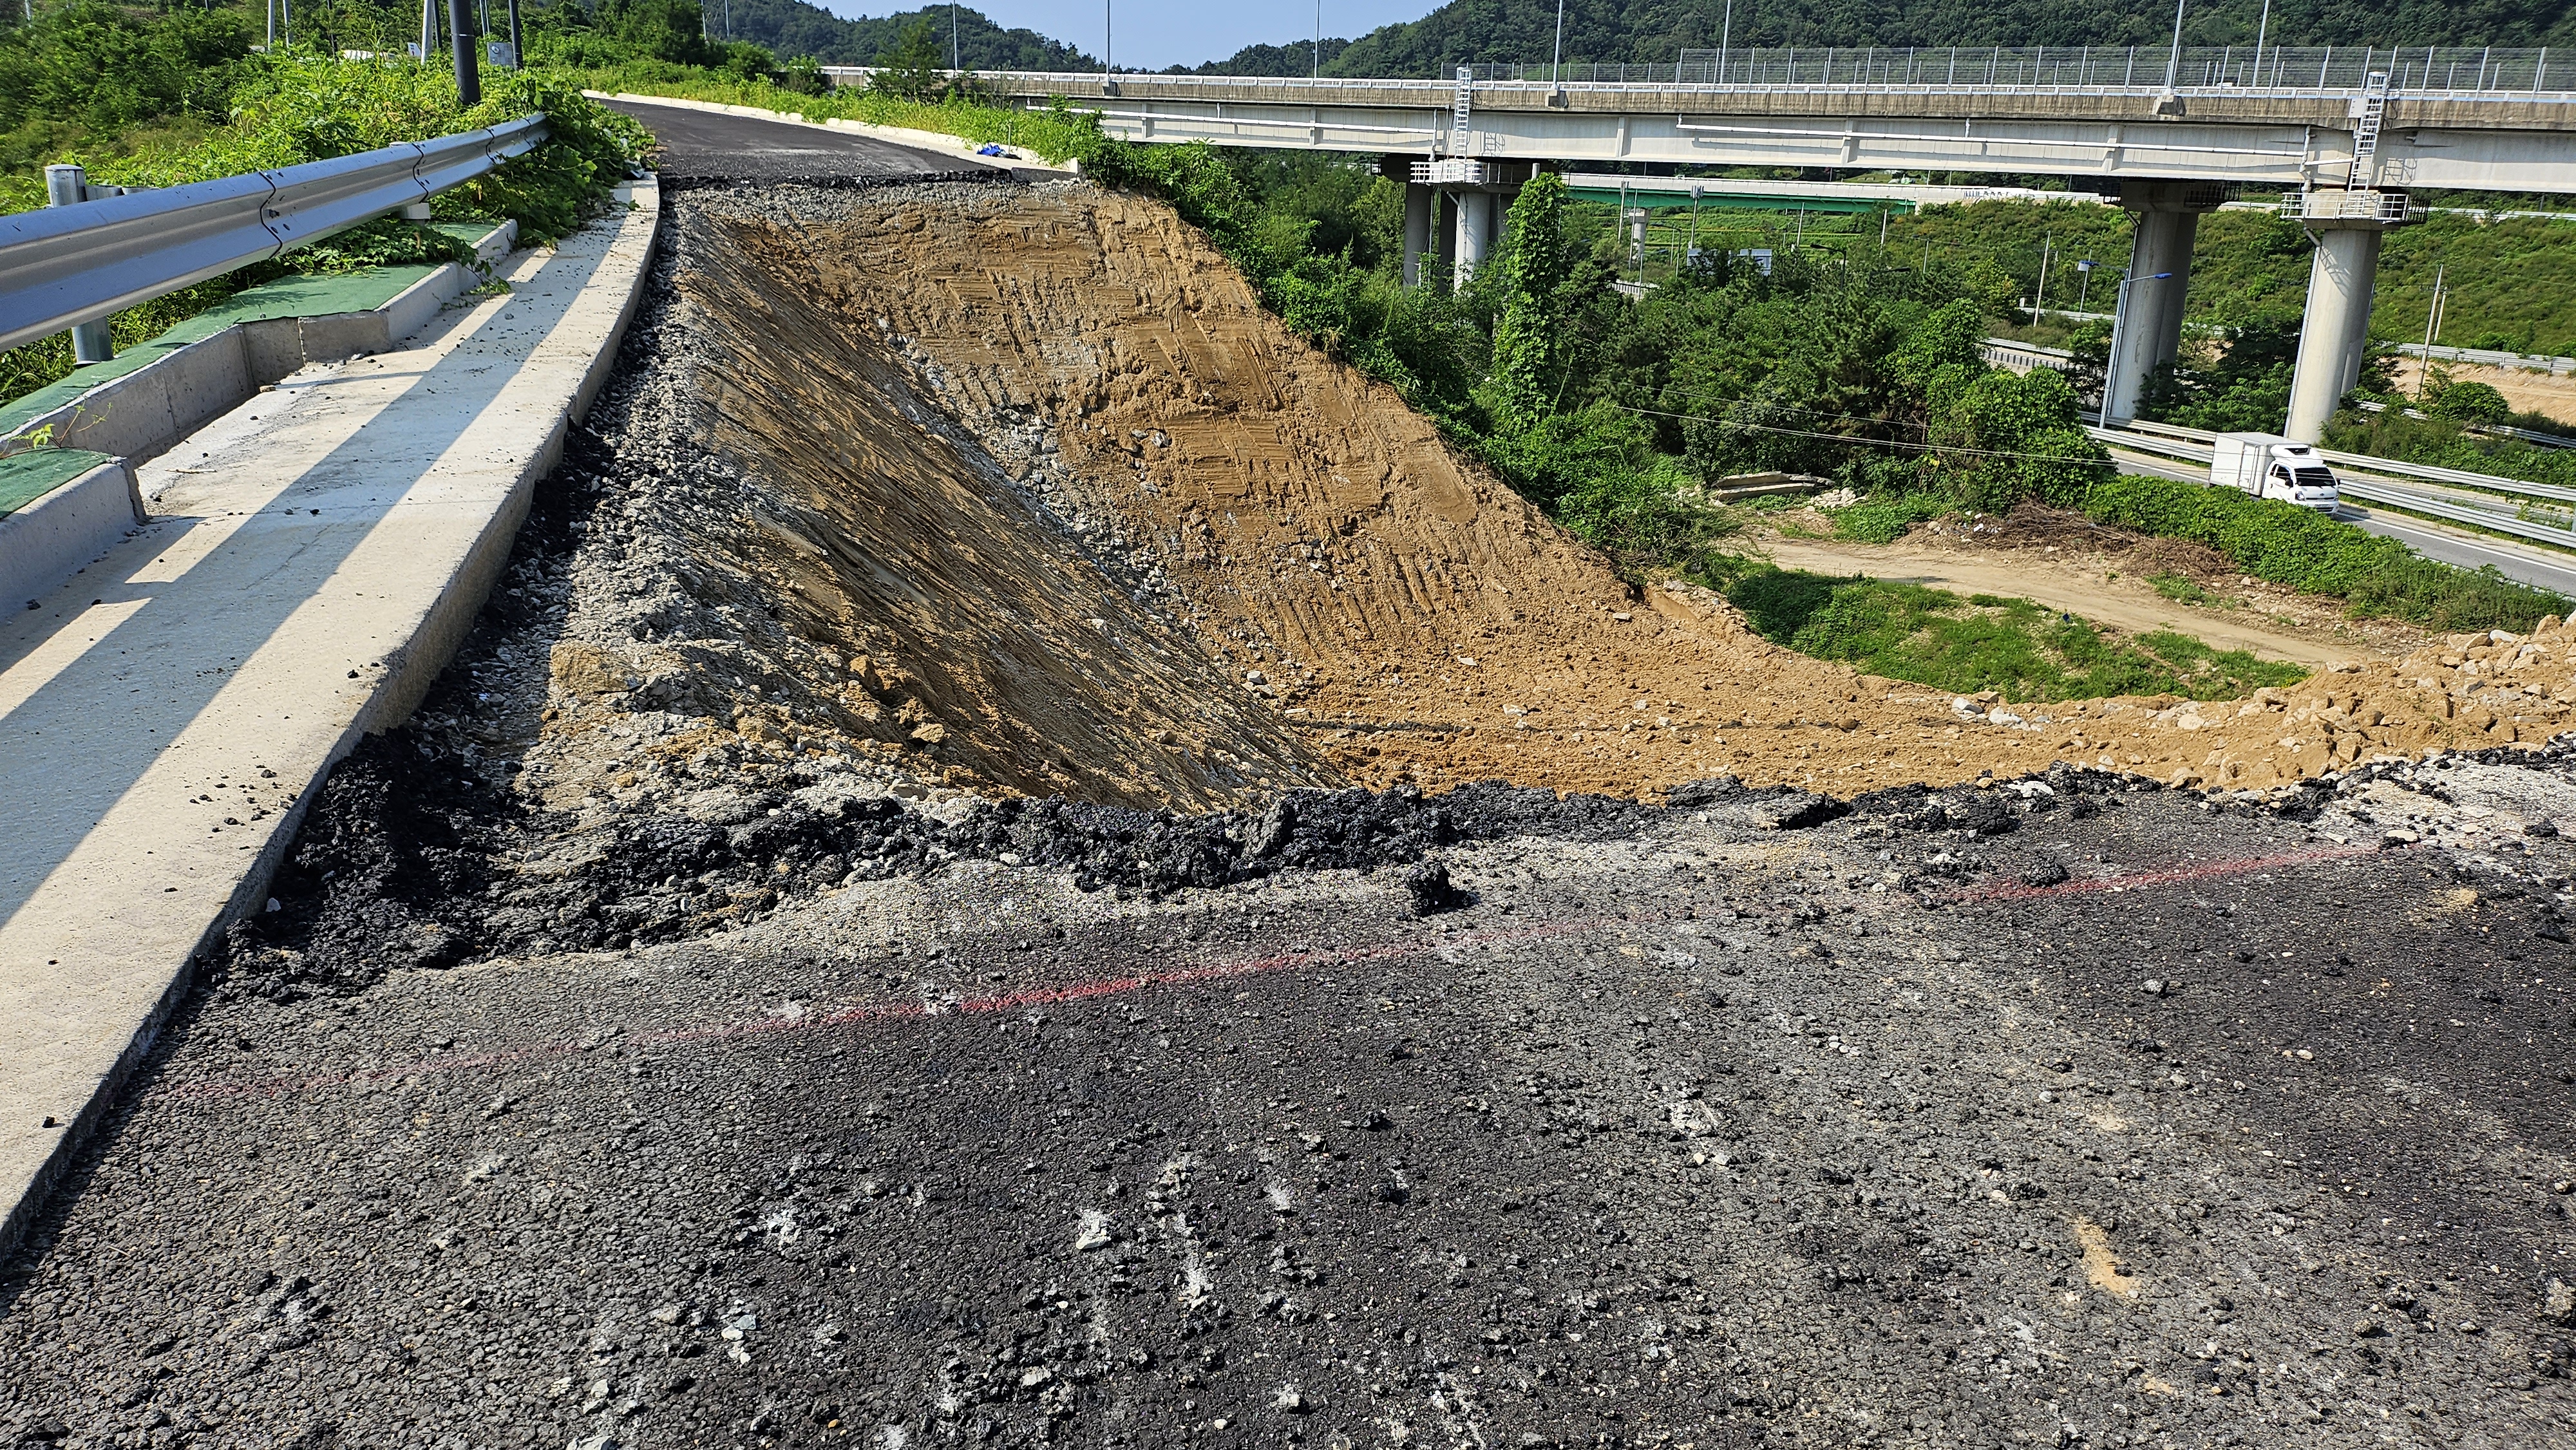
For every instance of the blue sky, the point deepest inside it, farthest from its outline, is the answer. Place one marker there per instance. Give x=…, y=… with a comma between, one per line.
x=1156, y=33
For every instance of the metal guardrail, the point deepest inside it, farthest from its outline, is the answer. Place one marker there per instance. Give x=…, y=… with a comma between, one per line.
x=2429, y=473
x=2024, y=356
x=2342, y=204
x=2191, y=445
x=2368, y=492
x=72, y=264
x=2499, y=430
x=2492, y=357
x=2442, y=70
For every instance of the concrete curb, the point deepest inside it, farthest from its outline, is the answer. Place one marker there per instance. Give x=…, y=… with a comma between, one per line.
x=146, y=412
x=936, y=141
x=425, y=524
x=43, y=543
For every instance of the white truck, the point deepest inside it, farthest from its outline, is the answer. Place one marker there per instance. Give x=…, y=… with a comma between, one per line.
x=2268, y=465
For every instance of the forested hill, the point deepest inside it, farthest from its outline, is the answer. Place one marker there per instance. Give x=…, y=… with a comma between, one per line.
x=794, y=28
x=1656, y=30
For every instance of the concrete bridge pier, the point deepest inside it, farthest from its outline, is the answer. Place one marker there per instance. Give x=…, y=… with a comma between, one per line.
x=2334, y=338
x=1476, y=214
x=1421, y=205
x=2150, y=326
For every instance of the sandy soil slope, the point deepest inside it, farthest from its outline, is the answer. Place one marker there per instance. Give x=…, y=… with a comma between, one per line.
x=1403, y=611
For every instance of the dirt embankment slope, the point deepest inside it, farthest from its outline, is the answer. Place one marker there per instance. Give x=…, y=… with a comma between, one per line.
x=1400, y=609
x=1018, y=491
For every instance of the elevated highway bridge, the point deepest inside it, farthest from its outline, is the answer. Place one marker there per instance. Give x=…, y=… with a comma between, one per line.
x=2344, y=134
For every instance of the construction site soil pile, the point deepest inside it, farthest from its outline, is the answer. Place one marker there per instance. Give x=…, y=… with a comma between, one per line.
x=815, y=589
x=1404, y=615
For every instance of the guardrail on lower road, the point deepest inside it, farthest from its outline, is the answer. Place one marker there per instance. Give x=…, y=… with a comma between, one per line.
x=62, y=266
x=2178, y=443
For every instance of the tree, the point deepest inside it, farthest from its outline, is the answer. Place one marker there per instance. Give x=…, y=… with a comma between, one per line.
x=669, y=30
x=1533, y=268
x=912, y=68
x=2470, y=403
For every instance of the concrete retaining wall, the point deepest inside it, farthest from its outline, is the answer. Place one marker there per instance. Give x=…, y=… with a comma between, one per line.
x=43, y=543
x=141, y=415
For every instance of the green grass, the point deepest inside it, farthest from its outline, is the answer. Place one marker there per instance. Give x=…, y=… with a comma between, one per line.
x=1987, y=642
x=2178, y=588
x=1884, y=518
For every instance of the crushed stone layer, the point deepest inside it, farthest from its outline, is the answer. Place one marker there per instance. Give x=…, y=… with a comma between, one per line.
x=1403, y=612
x=2063, y=1112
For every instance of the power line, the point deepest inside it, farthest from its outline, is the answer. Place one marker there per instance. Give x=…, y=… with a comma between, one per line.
x=1870, y=442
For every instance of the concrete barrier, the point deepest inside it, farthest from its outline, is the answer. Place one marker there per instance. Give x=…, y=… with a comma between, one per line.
x=143, y=413
x=316, y=558
x=45, y=542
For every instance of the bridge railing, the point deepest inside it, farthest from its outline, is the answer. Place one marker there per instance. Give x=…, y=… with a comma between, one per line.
x=2466, y=71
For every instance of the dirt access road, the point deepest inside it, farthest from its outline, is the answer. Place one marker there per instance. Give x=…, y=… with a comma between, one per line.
x=658, y=1044
x=2126, y=604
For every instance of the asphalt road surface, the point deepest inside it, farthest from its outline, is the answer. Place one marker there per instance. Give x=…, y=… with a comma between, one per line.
x=2099, y=1117
x=703, y=147
x=2543, y=567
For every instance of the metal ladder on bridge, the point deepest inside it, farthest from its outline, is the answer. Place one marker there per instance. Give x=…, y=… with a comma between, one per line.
x=2365, y=135
x=1458, y=121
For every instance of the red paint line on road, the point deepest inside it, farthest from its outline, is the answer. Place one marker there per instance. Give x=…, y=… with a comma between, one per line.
x=735, y=1029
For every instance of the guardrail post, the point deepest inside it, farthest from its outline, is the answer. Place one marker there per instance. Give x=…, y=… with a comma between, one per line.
x=91, y=341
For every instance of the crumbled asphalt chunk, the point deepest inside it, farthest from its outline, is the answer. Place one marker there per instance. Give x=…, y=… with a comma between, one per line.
x=1432, y=890
x=2046, y=873
x=397, y=869
x=1798, y=810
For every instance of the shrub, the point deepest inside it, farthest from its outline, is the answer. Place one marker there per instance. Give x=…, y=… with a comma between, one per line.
x=2470, y=403
x=2307, y=551
x=1636, y=517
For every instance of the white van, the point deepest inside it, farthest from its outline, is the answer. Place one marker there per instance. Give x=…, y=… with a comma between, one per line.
x=2268, y=465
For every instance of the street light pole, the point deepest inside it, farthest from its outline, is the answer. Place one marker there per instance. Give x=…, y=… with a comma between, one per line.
x=2173, y=62
x=460, y=36
x=1556, y=66
x=2432, y=328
